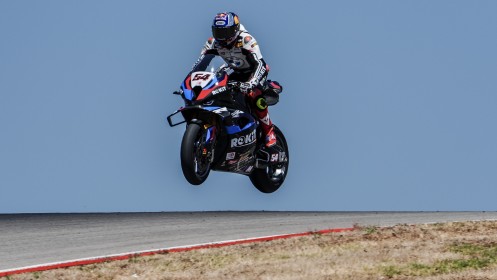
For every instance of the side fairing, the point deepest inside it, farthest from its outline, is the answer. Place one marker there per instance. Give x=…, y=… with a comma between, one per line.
x=241, y=130
x=198, y=85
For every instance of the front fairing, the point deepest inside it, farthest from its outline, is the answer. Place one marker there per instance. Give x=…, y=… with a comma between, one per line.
x=207, y=79
x=222, y=112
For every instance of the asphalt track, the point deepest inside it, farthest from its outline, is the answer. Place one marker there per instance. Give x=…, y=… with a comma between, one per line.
x=33, y=239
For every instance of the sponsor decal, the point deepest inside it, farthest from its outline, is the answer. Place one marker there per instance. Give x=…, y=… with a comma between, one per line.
x=265, y=120
x=219, y=90
x=230, y=156
x=247, y=39
x=253, y=45
x=243, y=140
x=220, y=23
x=220, y=110
x=235, y=61
x=236, y=114
x=274, y=157
x=260, y=74
x=246, y=156
x=221, y=16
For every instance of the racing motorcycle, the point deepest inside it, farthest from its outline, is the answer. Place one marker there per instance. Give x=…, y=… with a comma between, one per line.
x=221, y=132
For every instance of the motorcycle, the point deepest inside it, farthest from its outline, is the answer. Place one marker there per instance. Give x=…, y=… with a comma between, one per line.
x=221, y=132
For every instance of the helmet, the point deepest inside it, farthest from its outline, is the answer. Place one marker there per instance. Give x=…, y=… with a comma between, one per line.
x=225, y=28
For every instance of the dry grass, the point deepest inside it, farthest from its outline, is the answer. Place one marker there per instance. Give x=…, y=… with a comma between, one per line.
x=465, y=251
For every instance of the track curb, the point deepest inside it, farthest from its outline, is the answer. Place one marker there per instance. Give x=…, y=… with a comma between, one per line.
x=129, y=255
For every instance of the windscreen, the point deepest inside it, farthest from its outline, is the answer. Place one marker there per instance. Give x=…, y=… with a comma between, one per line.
x=210, y=63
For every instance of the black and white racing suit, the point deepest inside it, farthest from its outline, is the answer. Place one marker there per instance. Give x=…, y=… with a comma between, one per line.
x=245, y=58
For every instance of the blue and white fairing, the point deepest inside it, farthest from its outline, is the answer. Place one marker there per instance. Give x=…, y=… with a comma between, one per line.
x=210, y=101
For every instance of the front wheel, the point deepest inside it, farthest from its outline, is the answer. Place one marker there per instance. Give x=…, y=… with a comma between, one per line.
x=270, y=178
x=195, y=157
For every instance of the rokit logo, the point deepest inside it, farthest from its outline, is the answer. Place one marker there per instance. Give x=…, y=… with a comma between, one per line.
x=244, y=140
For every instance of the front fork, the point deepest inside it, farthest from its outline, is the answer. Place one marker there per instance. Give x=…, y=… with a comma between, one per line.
x=209, y=142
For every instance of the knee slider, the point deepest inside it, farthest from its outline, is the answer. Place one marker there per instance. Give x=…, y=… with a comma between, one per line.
x=260, y=103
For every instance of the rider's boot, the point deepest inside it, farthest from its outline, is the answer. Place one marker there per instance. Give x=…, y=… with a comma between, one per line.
x=270, y=137
x=266, y=125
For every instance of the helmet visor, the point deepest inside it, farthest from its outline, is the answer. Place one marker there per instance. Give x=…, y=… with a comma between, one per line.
x=224, y=33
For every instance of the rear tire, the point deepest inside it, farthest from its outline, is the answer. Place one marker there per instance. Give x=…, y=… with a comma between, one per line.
x=269, y=179
x=194, y=163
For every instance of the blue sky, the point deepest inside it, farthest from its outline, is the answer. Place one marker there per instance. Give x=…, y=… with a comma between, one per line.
x=387, y=105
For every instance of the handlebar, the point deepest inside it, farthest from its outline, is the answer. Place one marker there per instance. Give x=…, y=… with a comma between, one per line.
x=230, y=85
x=234, y=84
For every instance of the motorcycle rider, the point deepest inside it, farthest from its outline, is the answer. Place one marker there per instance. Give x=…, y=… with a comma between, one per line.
x=240, y=51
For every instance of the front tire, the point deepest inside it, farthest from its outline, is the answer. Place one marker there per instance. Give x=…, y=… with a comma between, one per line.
x=269, y=179
x=195, y=160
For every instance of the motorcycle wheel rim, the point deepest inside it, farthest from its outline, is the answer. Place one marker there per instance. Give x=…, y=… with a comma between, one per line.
x=200, y=160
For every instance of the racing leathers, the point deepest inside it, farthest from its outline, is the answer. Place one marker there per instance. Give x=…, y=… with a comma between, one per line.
x=244, y=57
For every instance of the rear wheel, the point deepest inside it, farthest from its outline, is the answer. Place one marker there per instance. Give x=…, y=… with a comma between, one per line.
x=270, y=178
x=195, y=157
